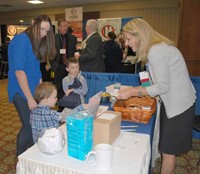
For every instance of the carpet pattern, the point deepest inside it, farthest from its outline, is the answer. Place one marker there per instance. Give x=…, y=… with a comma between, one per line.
x=186, y=163
x=9, y=128
x=10, y=125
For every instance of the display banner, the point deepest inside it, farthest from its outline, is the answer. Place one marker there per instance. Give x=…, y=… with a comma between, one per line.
x=12, y=30
x=74, y=16
x=109, y=24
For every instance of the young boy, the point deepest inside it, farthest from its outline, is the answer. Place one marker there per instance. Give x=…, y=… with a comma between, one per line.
x=74, y=86
x=43, y=117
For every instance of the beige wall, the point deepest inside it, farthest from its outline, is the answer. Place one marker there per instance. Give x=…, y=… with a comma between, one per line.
x=161, y=14
x=164, y=20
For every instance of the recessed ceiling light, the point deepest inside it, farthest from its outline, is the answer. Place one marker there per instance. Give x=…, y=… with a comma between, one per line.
x=35, y=2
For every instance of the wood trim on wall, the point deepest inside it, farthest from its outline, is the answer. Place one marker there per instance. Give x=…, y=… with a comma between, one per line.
x=189, y=34
x=193, y=60
x=59, y=16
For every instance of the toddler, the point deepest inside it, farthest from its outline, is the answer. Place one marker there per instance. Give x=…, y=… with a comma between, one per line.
x=43, y=117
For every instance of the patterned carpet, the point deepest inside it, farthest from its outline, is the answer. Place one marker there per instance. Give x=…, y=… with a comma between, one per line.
x=10, y=125
x=186, y=163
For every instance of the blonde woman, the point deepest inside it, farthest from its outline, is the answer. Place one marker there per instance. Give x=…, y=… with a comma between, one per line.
x=170, y=81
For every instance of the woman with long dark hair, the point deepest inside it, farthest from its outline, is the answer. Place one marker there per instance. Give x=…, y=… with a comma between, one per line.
x=26, y=50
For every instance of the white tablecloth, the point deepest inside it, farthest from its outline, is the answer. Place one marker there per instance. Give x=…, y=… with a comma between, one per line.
x=131, y=155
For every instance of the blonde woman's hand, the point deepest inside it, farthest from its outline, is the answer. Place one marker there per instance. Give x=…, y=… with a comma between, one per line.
x=125, y=94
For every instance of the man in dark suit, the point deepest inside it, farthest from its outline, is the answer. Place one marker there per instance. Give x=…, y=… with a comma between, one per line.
x=66, y=47
x=91, y=58
x=70, y=30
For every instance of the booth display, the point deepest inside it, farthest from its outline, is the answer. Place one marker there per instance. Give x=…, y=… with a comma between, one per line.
x=98, y=81
x=131, y=155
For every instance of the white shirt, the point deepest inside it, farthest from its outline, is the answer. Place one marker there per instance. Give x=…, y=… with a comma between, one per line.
x=170, y=78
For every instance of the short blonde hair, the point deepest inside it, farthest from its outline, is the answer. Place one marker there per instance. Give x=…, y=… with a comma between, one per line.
x=145, y=36
x=44, y=90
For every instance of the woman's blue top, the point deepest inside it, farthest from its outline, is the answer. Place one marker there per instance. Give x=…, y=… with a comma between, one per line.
x=21, y=57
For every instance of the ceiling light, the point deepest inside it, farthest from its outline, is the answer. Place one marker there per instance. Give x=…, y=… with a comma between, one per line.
x=35, y=2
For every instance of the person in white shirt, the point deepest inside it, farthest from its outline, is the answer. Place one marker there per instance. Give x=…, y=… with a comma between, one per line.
x=170, y=81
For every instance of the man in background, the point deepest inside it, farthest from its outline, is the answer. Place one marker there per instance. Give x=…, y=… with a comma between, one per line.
x=4, y=49
x=91, y=58
x=66, y=47
x=70, y=30
x=113, y=54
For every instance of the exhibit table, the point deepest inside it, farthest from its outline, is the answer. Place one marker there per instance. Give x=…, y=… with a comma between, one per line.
x=131, y=155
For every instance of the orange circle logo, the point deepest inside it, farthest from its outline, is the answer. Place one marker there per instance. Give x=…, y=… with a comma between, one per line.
x=11, y=30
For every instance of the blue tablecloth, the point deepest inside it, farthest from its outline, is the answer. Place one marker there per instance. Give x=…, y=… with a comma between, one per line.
x=98, y=81
x=142, y=128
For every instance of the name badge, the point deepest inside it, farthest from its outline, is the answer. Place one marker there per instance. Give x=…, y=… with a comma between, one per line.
x=144, y=78
x=63, y=51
